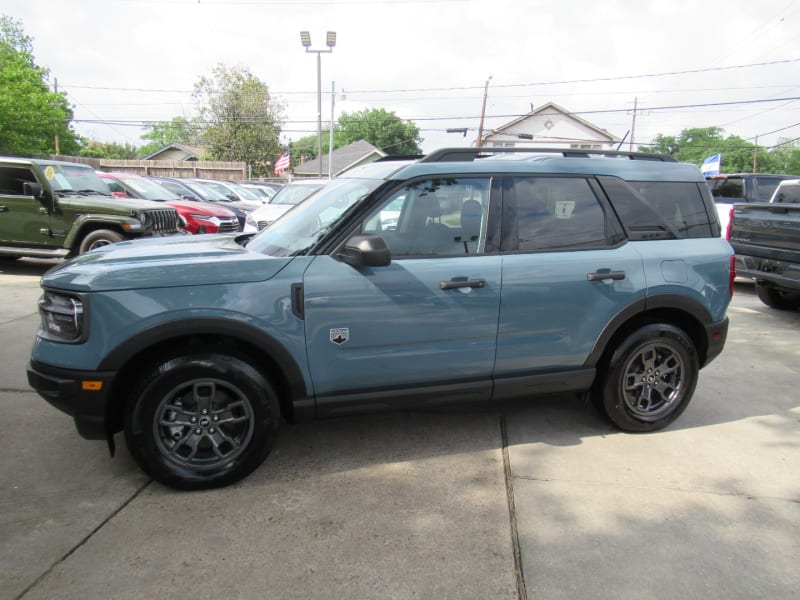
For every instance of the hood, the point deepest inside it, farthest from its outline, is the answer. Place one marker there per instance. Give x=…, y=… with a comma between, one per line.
x=172, y=261
x=109, y=204
x=201, y=208
x=270, y=212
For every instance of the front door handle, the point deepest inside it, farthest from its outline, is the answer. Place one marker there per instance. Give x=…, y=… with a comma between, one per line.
x=462, y=282
x=3, y=208
x=606, y=274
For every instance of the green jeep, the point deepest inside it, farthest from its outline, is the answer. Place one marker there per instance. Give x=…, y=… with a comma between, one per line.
x=54, y=209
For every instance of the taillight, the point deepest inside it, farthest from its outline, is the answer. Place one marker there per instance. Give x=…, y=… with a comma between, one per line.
x=732, y=274
x=730, y=225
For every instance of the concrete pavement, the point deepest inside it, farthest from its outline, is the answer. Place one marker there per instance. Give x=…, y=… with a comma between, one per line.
x=538, y=498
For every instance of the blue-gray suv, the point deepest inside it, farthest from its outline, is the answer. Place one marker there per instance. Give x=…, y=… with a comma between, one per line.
x=468, y=275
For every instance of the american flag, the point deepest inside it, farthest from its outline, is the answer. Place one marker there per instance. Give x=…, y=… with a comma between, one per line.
x=282, y=163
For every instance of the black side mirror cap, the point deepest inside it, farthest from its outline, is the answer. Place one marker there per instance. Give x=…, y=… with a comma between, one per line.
x=30, y=188
x=366, y=251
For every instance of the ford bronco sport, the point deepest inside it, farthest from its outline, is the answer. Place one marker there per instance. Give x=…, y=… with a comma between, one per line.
x=457, y=277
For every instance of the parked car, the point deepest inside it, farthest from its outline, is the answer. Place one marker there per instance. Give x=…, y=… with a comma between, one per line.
x=604, y=276
x=290, y=195
x=235, y=192
x=187, y=189
x=56, y=209
x=267, y=192
x=196, y=217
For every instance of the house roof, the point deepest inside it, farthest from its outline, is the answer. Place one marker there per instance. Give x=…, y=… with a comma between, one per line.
x=344, y=158
x=192, y=152
x=550, y=108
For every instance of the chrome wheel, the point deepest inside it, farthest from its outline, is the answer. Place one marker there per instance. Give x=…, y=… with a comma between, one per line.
x=203, y=424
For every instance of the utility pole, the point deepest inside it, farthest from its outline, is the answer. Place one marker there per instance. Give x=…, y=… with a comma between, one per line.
x=633, y=123
x=479, y=141
x=55, y=125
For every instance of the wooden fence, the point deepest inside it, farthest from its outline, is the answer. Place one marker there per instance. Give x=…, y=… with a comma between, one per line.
x=204, y=169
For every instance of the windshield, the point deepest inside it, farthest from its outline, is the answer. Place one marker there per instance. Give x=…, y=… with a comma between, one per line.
x=303, y=226
x=205, y=192
x=148, y=189
x=294, y=194
x=65, y=178
x=243, y=192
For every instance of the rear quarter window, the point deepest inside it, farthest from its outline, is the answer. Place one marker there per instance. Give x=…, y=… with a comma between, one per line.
x=659, y=209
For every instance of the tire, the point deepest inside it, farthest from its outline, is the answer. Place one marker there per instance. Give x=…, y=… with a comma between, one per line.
x=98, y=238
x=776, y=298
x=201, y=421
x=649, y=379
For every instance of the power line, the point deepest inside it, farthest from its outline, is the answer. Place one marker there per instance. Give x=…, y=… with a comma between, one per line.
x=474, y=87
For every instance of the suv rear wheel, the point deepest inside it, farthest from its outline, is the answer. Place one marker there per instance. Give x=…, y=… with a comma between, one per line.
x=649, y=379
x=201, y=421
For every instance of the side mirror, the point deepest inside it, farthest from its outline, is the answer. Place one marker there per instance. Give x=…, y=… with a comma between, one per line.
x=366, y=251
x=30, y=188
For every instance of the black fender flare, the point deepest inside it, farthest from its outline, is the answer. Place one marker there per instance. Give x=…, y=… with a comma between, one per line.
x=204, y=326
x=681, y=303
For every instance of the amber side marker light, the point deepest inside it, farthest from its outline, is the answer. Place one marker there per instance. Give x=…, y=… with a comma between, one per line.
x=92, y=386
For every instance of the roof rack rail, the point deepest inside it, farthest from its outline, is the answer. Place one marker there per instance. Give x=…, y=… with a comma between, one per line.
x=470, y=154
x=392, y=157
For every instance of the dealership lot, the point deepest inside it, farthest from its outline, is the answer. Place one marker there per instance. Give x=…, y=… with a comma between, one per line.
x=538, y=498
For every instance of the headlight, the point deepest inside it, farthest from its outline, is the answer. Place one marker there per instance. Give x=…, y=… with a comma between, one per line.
x=251, y=220
x=62, y=317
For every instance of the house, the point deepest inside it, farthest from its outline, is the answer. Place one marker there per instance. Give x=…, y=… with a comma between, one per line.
x=344, y=158
x=177, y=152
x=550, y=126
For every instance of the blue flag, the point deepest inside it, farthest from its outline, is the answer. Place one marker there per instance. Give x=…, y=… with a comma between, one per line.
x=711, y=165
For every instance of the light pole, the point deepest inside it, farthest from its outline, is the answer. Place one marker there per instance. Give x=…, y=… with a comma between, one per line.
x=479, y=141
x=330, y=41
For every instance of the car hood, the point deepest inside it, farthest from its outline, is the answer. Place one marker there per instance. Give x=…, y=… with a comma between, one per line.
x=270, y=212
x=178, y=260
x=110, y=204
x=201, y=208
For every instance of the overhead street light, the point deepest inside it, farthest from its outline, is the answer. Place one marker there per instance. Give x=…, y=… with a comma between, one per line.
x=330, y=42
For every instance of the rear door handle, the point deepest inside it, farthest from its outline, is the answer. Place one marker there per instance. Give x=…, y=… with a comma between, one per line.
x=462, y=282
x=606, y=274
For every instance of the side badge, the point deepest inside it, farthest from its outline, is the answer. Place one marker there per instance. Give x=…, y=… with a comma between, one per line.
x=340, y=335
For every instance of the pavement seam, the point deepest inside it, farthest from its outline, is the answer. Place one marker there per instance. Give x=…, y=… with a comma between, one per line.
x=522, y=592
x=617, y=484
x=83, y=541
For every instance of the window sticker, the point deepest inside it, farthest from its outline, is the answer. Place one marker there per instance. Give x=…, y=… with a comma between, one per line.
x=49, y=172
x=564, y=209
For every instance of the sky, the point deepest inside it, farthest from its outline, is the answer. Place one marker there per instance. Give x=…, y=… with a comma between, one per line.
x=733, y=64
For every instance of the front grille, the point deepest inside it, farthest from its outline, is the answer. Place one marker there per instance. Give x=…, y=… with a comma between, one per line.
x=228, y=225
x=163, y=220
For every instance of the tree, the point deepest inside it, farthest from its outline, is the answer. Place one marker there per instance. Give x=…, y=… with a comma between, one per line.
x=91, y=149
x=163, y=133
x=382, y=129
x=242, y=121
x=31, y=116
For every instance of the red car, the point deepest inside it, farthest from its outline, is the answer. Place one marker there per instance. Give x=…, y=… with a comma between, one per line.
x=196, y=217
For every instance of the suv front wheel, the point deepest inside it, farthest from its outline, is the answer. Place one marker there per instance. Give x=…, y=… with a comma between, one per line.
x=649, y=379
x=201, y=421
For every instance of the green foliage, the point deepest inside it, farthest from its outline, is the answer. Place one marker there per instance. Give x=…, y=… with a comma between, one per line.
x=31, y=116
x=382, y=129
x=696, y=144
x=242, y=122
x=110, y=150
x=163, y=133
